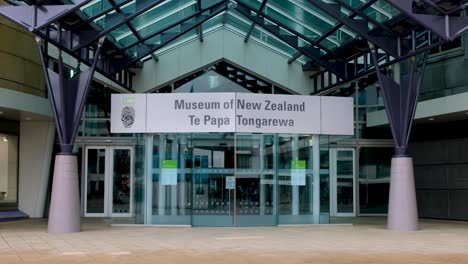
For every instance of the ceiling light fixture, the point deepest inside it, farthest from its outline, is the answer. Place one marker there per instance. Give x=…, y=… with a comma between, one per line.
x=431, y=119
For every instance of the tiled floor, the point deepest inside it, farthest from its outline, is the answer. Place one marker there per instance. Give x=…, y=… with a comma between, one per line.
x=364, y=242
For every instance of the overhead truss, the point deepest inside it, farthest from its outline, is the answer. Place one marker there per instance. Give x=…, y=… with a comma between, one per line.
x=420, y=26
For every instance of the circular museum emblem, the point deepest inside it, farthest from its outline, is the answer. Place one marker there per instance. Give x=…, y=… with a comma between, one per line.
x=128, y=116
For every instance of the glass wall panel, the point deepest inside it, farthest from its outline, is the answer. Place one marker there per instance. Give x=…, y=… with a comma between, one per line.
x=95, y=181
x=295, y=179
x=121, y=181
x=344, y=181
x=374, y=179
x=139, y=180
x=8, y=171
x=227, y=179
x=255, y=180
x=213, y=179
x=171, y=190
x=324, y=180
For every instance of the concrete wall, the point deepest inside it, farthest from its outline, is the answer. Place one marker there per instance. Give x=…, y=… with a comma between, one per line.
x=20, y=66
x=35, y=152
x=223, y=43
x=441, y=174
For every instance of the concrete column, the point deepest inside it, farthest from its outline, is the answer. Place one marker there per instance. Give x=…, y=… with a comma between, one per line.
x=295, y=188
x=402, y=207
x=161, y=188
x=64, y=213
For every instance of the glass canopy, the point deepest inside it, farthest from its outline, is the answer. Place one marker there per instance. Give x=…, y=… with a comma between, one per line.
x=145, y=31
x=329, y=37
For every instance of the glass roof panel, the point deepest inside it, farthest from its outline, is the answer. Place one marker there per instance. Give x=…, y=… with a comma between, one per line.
x=301, y=16
x=241, y=23
x=216, y=20
x=382, y=11
x=119, y=30
x=315, y=21
x=168, y=8
x=96, y=7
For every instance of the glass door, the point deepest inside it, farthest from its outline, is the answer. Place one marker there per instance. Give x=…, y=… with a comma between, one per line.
x=342, y=175
x=298, y=179
x=96, y=168
x=255, y=180
x=108, y=181
x=213, y=181
x=121, y=178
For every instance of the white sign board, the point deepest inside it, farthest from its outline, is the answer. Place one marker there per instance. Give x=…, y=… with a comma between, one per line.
x=230, y=112
x=230, y=182
x=190, y=112
x=266, y=113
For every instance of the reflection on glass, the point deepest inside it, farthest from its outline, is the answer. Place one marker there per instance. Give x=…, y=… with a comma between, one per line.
x=295, y=201
x=172, y=196
x=95, y=197
x=121, y=181
x=344, y=181
x=226, y=179
x=213, y=157
x=374, y=179
x=255, y=180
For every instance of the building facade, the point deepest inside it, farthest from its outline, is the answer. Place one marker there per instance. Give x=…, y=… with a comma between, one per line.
x=230, y=178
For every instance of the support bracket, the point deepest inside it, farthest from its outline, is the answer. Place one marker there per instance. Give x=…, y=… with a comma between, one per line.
x=400, y=100
x=67, y=96
x=34, y=17
x=446, y=26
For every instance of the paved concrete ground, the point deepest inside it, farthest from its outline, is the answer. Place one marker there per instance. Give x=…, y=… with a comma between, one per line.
x=364, y=242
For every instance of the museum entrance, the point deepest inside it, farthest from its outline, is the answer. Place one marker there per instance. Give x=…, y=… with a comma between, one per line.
x=232, y=179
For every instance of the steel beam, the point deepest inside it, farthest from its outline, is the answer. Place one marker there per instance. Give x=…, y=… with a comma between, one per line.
x=445, y=26
x=336, y=67
x=333, y=29
x=200, y=27
x=252, y=26
x=92, y=18
x=129, y=25
x=171, y=36
x=86, y=40
x=37, y=16
x=417, y=40
x=176, y=23
x=389, y=44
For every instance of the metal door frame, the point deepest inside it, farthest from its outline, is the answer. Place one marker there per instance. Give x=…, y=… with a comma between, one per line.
x=111, y=175
x=108, y=179
x=333, y=182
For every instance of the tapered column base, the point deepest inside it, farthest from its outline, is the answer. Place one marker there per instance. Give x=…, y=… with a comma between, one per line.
x=402, y=207
x=64, y=212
